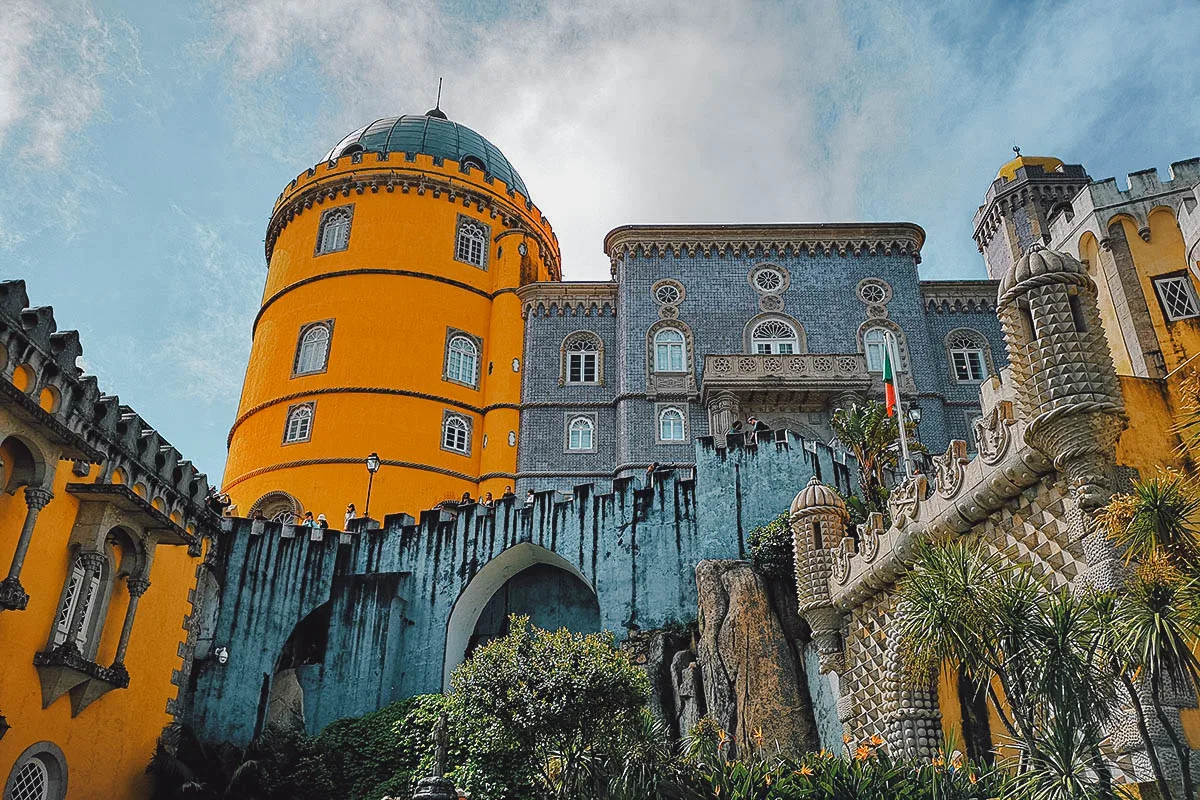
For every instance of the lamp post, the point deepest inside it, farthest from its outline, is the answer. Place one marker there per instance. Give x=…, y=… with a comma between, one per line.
x=372, y=468
x=914, y=416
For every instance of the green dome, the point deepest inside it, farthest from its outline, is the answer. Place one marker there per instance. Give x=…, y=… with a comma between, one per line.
x=433, y=135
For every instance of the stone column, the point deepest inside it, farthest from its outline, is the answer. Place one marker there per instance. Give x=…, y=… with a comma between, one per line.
x=137, y=588
x=723, y=411
x=93, y=564
x=12, y=595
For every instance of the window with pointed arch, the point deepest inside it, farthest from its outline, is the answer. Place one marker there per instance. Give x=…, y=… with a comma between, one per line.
x=298, y=427
x=669, y=348
x=672, y=425
x=333, y=234
x=581, y=434
x=462, y=358
x=471, y=242
x=456, y=433
x=875, y=348
x=774, y=336
x=968, y=353
x=312, y=348
x=582, y=359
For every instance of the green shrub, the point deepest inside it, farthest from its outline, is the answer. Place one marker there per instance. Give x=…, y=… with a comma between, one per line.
x=772, y=551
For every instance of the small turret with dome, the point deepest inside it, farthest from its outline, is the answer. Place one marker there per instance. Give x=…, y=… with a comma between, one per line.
x=818, y=520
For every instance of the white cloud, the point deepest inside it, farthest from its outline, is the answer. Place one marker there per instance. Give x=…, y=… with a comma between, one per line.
x=54, y=55
x=619, y=111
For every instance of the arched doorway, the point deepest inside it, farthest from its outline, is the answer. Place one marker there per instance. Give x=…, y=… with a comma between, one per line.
x=525, y=579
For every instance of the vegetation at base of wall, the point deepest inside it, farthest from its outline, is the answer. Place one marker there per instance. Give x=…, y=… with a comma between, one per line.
x=772, y=550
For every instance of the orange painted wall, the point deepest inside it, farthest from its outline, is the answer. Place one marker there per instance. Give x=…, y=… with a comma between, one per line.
x=383, y=390
x=108, y=746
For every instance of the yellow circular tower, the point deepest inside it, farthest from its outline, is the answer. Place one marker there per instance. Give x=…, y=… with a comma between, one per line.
x=390, y=325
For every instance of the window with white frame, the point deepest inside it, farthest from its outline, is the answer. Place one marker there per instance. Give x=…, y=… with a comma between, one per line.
x=334, y=231
x=312, y=351
x=30, y=782
x=471, y=242
x=1178, y=297
x=671, y=425
x=299, y=423
x=581, y=434
x=774, y=336
x=669, y=350
x=582, y=358
x=875, y=348
x=968, y=357
x=456, y=433
x=462, y=359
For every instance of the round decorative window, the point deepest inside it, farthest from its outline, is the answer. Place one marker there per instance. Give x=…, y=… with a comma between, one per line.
x=769, y=280
x=667, y=293
x=874, y=291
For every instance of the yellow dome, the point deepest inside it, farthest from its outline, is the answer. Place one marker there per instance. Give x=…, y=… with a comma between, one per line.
x=1047, y=163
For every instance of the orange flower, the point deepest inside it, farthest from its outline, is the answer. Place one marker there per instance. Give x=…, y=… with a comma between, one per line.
x=845, y=738
x=971, y=777
x=806, y=771
x=768, y=777
x=877, y=740
x=862, y=753
x=758, y=736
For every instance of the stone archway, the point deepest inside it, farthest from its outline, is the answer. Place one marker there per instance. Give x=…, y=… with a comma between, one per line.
x=525, y=579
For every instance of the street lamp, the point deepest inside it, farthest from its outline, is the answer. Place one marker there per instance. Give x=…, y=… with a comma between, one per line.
x=914, y=416
x=372, y=468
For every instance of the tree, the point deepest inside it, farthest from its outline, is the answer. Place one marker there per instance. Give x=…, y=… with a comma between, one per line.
x=556, y=699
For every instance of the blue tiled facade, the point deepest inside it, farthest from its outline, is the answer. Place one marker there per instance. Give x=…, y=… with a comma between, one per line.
x=822, y=267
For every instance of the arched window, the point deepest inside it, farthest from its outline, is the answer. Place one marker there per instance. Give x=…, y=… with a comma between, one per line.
x=299, y=423
x=78, y=604
x=40, y=773
x=30, y=782
x=968, y=354
x=774, y=336
x=471, y=242
x=334, y=233
x=462, y=360
x=581, y=358
x=668, y=351
x=456, y=433
x=581, y=432
x=671, y=426
x=312, y=351
x=875, y=347
x=278, y=507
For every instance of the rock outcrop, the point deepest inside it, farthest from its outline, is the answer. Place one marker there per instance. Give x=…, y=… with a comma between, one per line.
x=752, y=672
x=669, y=659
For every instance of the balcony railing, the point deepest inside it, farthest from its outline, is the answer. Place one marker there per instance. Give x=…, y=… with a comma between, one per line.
x=801, y=372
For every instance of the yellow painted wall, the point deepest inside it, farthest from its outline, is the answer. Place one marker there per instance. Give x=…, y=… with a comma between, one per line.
x=1147, y=442
x=383, y=390
x=1089, y=252
x=1163, y=254
x=108, y=746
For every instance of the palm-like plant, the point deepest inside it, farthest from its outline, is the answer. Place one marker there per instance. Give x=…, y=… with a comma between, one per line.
x=1159, y=518
x=1158, y=620
x=870, y=435
x=967, y=606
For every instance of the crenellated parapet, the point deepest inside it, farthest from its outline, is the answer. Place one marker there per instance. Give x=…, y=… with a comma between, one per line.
x=1099, y=203
x=49, y=392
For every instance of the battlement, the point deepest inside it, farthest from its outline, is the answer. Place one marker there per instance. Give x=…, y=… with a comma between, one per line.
x=415, y=173
x=947, y=297
x=41, y=375
x=1069, y=175
x=1094, y=208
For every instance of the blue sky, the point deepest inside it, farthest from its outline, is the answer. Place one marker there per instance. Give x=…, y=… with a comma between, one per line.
x=145, y=142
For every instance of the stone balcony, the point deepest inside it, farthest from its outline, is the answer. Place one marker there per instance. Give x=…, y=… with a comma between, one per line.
x=807, y=380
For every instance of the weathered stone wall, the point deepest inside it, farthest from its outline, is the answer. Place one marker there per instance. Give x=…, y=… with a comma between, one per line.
x=406, y=598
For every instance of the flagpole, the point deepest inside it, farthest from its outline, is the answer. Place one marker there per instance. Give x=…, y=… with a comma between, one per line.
x=900, y=419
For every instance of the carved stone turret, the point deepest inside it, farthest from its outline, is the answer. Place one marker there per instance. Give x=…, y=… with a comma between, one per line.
x=1066, y=385
x=818, y=520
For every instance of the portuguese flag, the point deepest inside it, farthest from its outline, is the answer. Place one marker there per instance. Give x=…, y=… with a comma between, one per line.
x=889, y=382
